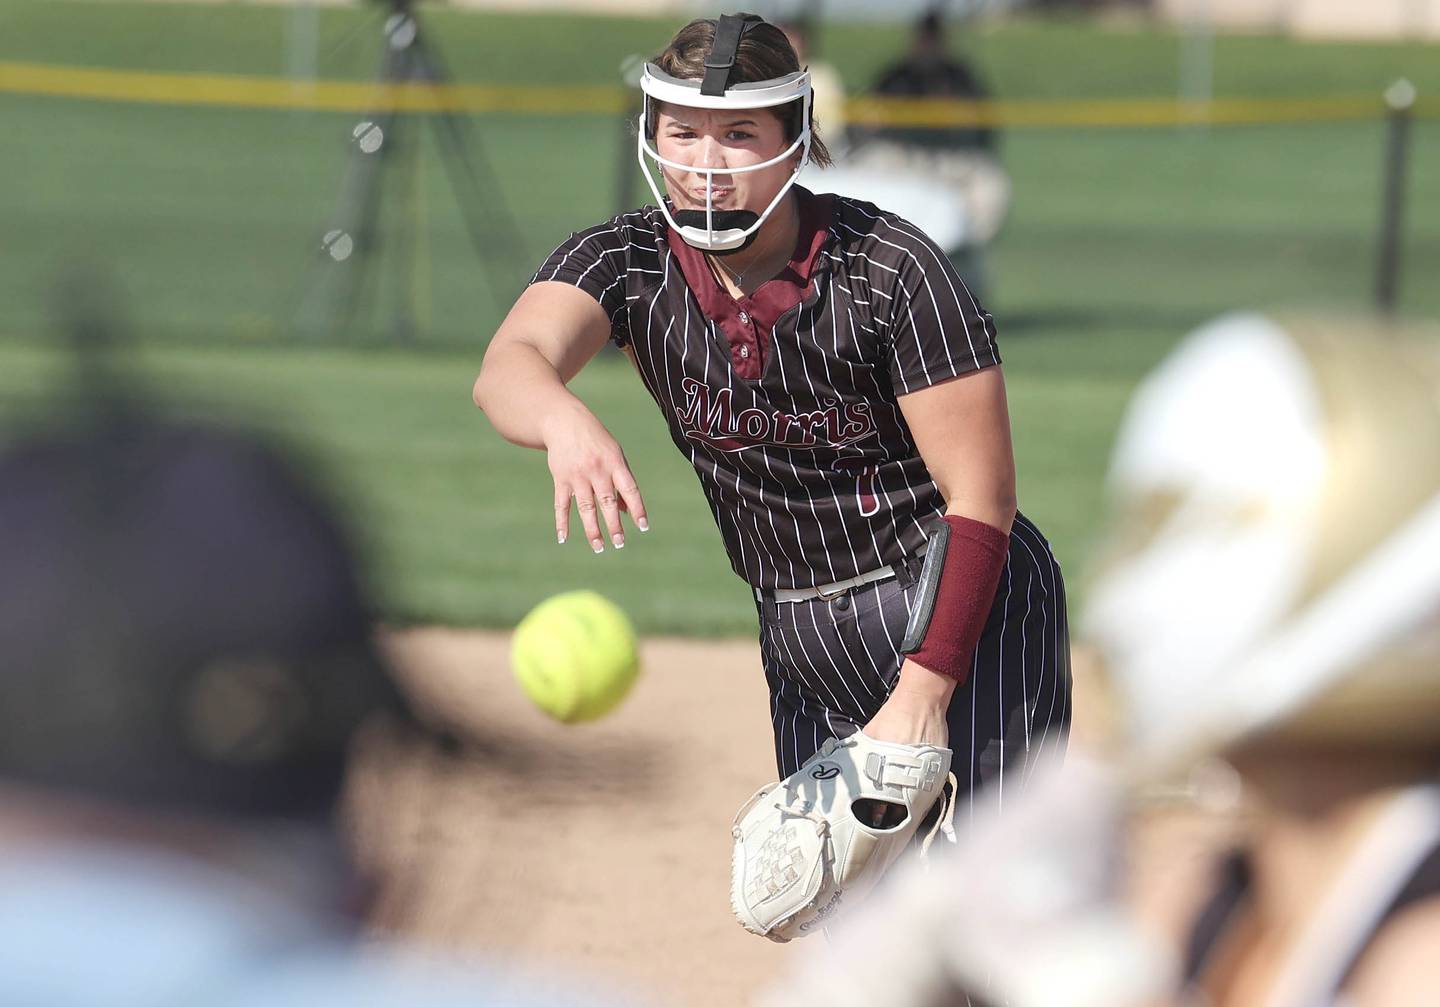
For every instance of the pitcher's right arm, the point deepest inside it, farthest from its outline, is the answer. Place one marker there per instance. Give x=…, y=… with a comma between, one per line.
x=553, y=330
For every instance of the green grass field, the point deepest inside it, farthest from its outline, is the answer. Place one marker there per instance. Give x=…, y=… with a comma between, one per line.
x=1120, y=241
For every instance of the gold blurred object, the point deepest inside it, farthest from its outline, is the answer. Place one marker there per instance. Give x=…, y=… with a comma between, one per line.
x=1272, y=568
x=1392, y=703
x=1382, y=416
x=1380, y=394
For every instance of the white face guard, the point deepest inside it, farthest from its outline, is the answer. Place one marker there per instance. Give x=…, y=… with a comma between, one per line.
x=713, y=230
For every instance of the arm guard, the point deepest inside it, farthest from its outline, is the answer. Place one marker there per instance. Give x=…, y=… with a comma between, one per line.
x=963, y=562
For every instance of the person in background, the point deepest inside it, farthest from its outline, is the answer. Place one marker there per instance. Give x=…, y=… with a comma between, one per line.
x=930, y=70
x=962, y=160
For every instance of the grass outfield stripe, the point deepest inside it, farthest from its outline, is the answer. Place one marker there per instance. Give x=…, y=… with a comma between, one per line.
x=366, y=96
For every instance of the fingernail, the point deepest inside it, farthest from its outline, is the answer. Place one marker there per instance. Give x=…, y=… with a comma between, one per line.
x=597, y=545
x=619, y=541
x=560, y=537
x=643, y=524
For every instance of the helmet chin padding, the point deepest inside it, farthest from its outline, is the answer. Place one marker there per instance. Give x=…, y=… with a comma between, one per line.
x=721, y=231
x=728, y=226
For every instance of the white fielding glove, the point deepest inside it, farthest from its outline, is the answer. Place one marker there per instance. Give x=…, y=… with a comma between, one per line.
x=801, y=851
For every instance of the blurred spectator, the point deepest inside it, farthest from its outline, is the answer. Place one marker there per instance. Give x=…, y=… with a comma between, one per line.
x=930, y=70
x=185, y=660
x=946, y=180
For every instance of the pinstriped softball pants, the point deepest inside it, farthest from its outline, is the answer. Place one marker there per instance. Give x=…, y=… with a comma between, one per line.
x=831, y=664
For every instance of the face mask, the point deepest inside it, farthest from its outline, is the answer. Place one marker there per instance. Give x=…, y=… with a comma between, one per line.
x=720, y=231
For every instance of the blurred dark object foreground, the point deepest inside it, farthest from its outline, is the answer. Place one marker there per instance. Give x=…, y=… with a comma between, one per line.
x=181, y=623
x=186, y=662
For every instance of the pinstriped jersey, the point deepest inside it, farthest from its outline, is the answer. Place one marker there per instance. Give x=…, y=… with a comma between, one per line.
x=785, y=401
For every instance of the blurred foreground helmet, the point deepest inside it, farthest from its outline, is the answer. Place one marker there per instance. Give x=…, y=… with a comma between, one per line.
x=181, y=624
x=1274, y=563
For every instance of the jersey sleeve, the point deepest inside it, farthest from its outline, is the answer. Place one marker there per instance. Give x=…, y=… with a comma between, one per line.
x=595, y=260
x=937, y=329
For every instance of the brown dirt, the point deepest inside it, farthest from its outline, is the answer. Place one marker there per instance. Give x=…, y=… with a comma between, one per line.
x=596, y=853
x=602, y=848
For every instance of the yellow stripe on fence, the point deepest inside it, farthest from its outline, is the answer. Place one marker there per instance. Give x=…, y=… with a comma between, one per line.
x=326, y=95
x=940, y=113
x=364, y=96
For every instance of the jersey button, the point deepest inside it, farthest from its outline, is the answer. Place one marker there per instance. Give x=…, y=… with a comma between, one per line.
x=744, y=353
x=744, y=318
x=841, y=603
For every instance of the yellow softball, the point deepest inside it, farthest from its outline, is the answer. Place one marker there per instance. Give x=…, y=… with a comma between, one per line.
x=575, y=656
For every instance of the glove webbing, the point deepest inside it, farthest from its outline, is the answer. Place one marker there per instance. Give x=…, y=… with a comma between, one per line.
x=780, y=853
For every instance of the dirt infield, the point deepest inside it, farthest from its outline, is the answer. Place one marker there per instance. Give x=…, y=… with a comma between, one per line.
x=602, y=849
x=597, y=853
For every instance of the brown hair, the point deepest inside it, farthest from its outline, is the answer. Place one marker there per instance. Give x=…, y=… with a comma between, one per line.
x=764, y=53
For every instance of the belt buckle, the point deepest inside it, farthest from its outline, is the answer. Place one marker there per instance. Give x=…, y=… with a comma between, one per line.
x=840, y=588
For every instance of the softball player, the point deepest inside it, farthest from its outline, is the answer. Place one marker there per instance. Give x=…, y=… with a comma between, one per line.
x=839, y=393
x=1298, y=640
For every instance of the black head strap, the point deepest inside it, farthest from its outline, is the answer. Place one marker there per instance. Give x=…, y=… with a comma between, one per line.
x=729, y=30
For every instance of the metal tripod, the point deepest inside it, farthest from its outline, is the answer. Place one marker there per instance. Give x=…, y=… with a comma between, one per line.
x=387, y=142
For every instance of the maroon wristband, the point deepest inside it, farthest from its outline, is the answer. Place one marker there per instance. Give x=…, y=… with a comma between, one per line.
x=969, y=572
